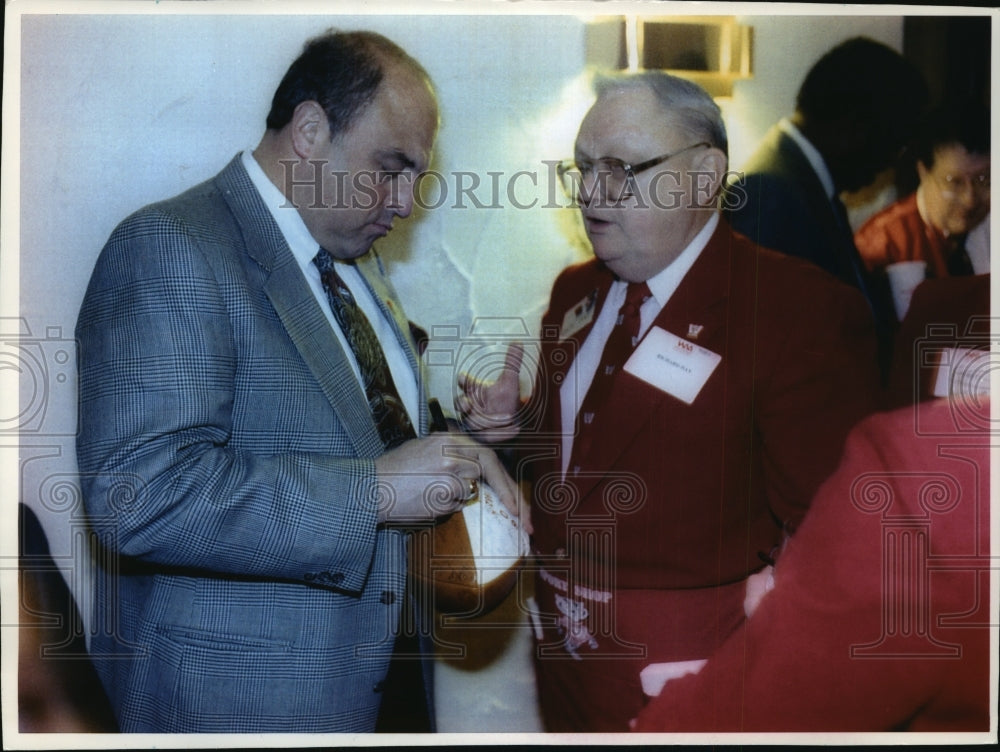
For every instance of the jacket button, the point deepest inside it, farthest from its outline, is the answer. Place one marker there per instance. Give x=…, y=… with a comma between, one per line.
x=379, y=686
x=336, y=578
x=388, y=597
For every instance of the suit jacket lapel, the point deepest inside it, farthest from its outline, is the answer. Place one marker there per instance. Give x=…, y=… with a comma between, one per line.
x=597, y=282
x=300, y=313
x=801, y=172
x=370, y=266
x=826, y=210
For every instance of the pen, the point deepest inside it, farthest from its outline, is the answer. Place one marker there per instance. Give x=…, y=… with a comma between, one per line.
x=438, y=422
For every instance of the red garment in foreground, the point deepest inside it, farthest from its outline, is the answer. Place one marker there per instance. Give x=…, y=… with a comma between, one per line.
x=943, y=313
x=879, y=617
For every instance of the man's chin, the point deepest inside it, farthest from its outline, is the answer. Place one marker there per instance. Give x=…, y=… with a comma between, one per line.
x=351, y=252
x=608, y=259
x=602, y=249
x=614, y=263
x=961, y=227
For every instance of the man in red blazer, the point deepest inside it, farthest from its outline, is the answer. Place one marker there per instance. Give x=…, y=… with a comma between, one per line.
x=879, y=617
x=651, y=508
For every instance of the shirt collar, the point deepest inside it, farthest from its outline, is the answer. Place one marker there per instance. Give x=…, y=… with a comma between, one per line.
x=663, y=284
x=811, y=154
x=301, y=242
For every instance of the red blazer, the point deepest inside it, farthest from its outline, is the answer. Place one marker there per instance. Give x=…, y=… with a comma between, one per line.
x=670, y=512
x=879, y=617
x=899, y=233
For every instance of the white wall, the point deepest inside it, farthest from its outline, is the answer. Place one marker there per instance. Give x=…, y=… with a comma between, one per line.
x=120, y=110
x=785, y=47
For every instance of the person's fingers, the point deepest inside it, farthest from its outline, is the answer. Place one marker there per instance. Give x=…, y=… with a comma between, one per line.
x=500, y=481
x=463, y=403
x=475, y=393
x=515, y=355
x=469, y=463
x=460, y=459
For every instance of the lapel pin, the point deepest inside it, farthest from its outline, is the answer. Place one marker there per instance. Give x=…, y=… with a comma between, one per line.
x=694, y=330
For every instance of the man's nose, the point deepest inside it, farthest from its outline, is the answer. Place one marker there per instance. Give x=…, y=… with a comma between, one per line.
x=401, y=198
x=966, y=194
x=589, y=187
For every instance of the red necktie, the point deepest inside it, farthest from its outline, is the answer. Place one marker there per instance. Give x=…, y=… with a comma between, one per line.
x=621, y=342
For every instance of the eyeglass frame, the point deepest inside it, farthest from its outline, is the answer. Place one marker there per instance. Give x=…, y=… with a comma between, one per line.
x=631, y=170
x=950, y=185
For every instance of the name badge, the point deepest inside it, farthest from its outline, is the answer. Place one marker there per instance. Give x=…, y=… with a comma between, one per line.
x=963, y=373
x=672, y=364
x=578, y=317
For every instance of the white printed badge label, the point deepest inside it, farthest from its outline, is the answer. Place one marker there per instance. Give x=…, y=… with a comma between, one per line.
x=963, y=373
x=672, y=364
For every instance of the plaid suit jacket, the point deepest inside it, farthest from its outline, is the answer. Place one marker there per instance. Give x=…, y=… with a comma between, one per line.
x=226, y=455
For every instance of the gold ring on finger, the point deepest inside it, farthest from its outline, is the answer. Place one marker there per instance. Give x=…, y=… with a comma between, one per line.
x=473, y=489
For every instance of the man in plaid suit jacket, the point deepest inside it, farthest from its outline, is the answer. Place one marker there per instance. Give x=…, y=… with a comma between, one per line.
x=251, y=521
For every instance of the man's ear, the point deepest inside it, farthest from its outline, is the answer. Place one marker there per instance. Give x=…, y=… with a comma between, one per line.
x=922, y=171
x=711, y=166
x=309, y=128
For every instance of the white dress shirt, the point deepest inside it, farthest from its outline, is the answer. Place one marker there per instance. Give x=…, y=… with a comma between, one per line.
x=304, y=247
x=977, y=245
x=584, y=366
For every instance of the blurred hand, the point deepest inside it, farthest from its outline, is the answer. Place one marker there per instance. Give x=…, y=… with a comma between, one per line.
x=427, y=478
x=489, y=410
x=758, y=585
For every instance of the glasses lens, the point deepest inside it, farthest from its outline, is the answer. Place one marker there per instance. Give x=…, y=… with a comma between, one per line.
x=570, y=178
x=613, y=179
x=606, y=178
x=952, y=186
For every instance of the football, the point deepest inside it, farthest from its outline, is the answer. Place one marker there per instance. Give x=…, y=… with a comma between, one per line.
x=467, y=563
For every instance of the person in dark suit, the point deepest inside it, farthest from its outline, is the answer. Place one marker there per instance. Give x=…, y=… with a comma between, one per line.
x=877, y=616
x=663, y=473
x=853, y=113
x=248, y=466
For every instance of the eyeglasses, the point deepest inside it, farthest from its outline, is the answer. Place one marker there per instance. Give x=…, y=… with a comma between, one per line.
x=951, y=185
x=613, y=178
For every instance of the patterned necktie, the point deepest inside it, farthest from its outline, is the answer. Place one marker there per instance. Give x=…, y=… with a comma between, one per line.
x=387, y=408
x=621, y=342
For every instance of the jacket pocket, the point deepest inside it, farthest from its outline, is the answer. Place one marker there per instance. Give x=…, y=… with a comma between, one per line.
x=202, y=638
